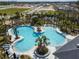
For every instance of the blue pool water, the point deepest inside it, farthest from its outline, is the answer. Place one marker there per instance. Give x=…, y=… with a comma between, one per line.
x=28, y=41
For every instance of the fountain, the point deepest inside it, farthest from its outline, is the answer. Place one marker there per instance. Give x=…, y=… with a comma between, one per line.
x=38, y=30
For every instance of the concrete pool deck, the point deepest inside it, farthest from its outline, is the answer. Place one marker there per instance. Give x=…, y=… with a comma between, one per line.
x=71, y=37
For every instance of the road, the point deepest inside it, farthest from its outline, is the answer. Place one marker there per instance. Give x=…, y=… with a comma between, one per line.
x=34, y=9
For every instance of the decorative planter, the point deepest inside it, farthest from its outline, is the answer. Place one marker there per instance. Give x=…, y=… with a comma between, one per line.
x=41, y=56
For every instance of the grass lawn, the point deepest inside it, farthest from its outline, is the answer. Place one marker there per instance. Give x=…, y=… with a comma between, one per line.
x=50, y=12
x=13, y=10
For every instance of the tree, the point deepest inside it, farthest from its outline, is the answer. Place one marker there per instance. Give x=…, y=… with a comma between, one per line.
x=2, y=40
x=16, y=32
x=42, y=43
x=77, y=3
x=2, y=28
x=3, y=55
x=17, y=15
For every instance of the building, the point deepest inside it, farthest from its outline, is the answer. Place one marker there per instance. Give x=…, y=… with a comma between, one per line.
x=69, y=51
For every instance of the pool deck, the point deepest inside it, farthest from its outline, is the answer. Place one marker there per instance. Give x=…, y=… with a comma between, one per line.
x=31, y=51
x=10, y=32
x=71, y=37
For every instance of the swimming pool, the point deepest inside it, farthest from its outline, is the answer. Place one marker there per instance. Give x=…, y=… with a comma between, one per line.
x=28, y=41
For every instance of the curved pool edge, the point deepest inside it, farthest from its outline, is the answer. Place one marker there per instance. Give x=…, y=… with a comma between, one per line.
x=61, y=33
x=20, y=38
x=15, y=41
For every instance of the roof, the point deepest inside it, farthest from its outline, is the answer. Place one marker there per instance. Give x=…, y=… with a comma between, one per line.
x=72, y=45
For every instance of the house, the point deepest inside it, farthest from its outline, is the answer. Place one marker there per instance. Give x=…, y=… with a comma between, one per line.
x=69, y=50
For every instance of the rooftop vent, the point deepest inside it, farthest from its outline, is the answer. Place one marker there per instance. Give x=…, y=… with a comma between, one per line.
x=77, y=45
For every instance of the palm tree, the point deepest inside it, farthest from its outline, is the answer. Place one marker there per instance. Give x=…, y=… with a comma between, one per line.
x=4, y=18
x=42, y=43
x=3, y=54
x=16, y=32
x=0, y=16
x=17, y=15
x=2, y=28
x=2, y=40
